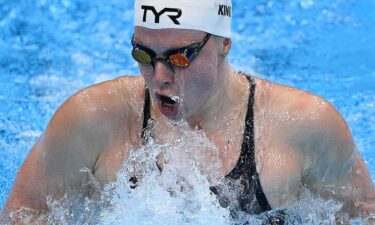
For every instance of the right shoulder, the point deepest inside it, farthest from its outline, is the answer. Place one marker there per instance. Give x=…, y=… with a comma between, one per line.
x=80, y=130
x=92, y=120
x=111, y=94
x=100, y=109
x=111, y=97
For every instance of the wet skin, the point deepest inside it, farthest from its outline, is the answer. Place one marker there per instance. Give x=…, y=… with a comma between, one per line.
x=301, y=140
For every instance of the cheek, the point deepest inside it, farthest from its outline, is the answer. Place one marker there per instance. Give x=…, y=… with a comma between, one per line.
x=200, y=80
x=146, y=72
x=197, y=90
x=204, y=72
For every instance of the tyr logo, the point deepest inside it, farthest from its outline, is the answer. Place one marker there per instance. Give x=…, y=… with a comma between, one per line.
x=176, y=13
x=225, y=10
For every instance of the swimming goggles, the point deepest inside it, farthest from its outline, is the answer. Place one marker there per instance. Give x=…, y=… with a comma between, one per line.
x=181, y=57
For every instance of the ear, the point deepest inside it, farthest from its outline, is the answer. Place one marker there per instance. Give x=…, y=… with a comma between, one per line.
x=226, y=46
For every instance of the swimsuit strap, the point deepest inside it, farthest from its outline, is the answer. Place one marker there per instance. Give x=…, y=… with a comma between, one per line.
x=146, y=117
x=248, y=147
x=246, y=163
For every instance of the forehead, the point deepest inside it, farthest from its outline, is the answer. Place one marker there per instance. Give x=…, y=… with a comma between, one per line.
x=162, y=39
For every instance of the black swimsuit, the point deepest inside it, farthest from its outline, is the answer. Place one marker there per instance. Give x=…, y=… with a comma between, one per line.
x=252, y=199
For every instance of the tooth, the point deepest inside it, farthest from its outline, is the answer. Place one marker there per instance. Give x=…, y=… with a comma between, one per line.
x=175, y=98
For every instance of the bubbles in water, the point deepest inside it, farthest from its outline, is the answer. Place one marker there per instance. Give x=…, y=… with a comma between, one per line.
x=305, y=4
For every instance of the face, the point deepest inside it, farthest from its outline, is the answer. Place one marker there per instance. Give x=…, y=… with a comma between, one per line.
x=180, y=92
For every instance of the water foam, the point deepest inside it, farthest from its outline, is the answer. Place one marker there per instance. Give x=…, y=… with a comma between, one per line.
x=177, y=195
x=170, y=184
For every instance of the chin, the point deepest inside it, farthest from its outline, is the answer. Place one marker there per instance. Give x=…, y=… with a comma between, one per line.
x=175, y=118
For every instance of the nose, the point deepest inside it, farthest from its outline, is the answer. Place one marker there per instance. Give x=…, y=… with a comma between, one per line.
x=163, y=74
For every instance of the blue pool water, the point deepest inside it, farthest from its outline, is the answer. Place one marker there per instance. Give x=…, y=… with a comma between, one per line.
x=50, y=49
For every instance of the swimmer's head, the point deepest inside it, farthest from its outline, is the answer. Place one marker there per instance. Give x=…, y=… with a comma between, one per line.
x=164, y=26
x=210, y=16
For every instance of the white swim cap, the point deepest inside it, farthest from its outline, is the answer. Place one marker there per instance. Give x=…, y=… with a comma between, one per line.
x=211, y=16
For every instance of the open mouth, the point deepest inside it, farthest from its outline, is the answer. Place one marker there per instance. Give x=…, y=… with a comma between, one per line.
x=168, y=105
x=165, y=100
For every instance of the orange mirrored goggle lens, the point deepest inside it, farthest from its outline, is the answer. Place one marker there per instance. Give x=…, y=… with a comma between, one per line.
x=179, y=60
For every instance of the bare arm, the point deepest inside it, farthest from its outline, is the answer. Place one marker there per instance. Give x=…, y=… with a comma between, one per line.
x=52, y=167
x=337, y=170
x=312, y=148
x=74, y=139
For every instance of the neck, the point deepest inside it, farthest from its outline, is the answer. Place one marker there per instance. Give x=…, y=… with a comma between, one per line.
x=226, y=101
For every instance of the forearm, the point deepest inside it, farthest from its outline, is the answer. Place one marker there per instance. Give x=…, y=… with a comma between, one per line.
x=23, y=216
x=22, y=207
x=364, y=209
x=364, y=203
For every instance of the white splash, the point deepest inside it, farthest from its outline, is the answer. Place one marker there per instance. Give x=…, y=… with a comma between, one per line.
x=177, y=194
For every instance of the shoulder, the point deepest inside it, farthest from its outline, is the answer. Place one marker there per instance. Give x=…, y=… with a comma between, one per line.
x=109, y=96
x=313, y=145
x=82, y=127
x=283, y=98
x=300, y=109
x=87, y=122
x=112, y=99
x=313, y=128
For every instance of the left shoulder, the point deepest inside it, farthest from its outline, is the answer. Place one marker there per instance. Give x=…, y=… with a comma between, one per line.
x=311, y=127
x=314, y=149
x=326, y=139
x=298, y=109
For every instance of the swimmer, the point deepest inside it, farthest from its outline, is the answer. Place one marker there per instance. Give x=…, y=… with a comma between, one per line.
x=285, y=140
